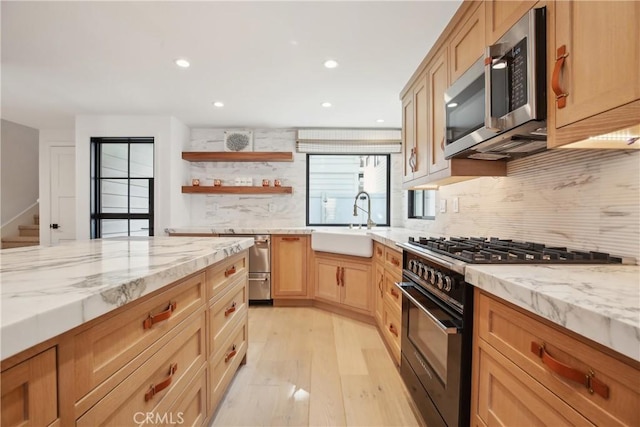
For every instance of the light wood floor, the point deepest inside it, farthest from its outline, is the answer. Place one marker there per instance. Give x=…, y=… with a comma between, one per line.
x=306, y=366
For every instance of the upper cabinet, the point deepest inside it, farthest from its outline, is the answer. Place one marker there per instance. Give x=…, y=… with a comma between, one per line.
x=467, y=43
x=438, y=83
x=414, y=130
x=502, y=15
x=594, y=58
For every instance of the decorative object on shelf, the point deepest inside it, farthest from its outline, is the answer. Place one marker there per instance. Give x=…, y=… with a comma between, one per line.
x=237, y=189
x=265, y=182
x=195, y=182
x=277, y=182
x=217, y=183
x=238, y=141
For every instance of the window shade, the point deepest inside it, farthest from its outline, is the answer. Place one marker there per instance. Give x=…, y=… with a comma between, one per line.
x=351, y=141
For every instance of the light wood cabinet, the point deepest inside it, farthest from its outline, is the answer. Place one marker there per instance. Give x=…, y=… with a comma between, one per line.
x=30, y=392
x=379, y=292
x=467, y=42
x=438, y=83
x=515, y=351
x=289, y=266
x=344, y=280
x=415, y=130
x=594, y=58
x=501, y=15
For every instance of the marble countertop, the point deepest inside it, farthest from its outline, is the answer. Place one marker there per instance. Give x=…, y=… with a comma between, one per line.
x=253, y=230
x=600, y=302
x=47, y=291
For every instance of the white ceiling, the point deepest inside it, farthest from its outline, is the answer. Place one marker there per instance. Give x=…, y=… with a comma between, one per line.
x=264, y=60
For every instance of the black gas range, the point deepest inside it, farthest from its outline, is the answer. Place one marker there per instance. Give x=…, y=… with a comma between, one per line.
x=437, y=314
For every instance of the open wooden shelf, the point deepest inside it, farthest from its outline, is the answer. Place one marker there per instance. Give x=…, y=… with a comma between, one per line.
x=208, y=189
x=243, y=156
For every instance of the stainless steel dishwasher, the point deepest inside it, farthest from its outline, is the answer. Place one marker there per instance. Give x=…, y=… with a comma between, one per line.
x=259, y=267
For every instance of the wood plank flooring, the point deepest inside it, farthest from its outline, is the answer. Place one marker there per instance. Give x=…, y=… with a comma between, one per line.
x=309, y=367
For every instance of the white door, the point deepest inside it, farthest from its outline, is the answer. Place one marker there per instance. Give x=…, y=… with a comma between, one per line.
x=63, y=194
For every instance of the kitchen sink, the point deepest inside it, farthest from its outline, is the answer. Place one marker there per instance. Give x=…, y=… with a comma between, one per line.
x=343, y=241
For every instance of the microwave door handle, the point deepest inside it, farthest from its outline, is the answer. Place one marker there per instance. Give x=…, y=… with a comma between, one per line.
x=490, y=122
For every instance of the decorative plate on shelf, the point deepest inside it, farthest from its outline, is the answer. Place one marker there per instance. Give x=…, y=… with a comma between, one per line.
x=238, y=141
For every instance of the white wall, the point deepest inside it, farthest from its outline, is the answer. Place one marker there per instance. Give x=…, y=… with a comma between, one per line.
x=170, y=136
x=582, y=199
x=19, y=169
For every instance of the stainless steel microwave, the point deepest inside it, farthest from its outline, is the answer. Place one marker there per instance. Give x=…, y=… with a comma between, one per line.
x=497, y=109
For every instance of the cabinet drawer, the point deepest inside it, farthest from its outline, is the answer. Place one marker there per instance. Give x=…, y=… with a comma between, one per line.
x=391, y=292
x=393, y=260
x=190, y=408
x=512, y=332
x=154, y=386
x=221, y=275
x=225, y=313
x=108, y=346
x=509, y=397
x=224, y=364
x=378, y=251
x=30, y=391
x=392, y=328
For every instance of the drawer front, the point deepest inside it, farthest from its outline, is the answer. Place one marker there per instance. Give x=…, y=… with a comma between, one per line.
x=154, y=386
x=226, y=312
x=391, y=292
x=223, y=274
x=105, y=348
x=392, y=329
x=190, y=408
x=393, y=260
x=378, y=251
x=225, y=363
x=512, y=333
x=30, y=391
x=509, y=397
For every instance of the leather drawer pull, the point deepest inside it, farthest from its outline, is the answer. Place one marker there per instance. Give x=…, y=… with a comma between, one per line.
x=230, y=310
x=338, y=276
x=231, y=354
x=394, y=293
x=228, y=272
x=393, y=329
x=342, y=276
x=561, y=96
x=588, y=380
x=379, y=251
x=395, y=262
x=291, y=239
x=155, y=389
x=153, y=319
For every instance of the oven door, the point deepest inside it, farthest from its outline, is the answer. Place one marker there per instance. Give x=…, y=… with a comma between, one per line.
x=432, y=345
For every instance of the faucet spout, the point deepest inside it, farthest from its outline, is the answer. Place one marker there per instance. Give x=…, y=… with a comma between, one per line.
x=368, y=211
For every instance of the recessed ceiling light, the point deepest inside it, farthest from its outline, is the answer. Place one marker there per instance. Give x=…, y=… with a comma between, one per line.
x=326, y=104
x=182, y=63
x=218, y=104
x=331, y=63
x=380, y=121
x=452, y=104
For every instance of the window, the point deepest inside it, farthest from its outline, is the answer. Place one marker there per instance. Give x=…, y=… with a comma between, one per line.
x=334, y=180
x=122, y=187
x=422, y=204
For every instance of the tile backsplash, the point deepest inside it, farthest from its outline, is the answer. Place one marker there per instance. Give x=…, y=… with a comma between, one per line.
x=583, y=199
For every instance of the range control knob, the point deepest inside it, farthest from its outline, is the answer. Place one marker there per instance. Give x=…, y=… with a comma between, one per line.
x=448, y=281
x=419, y=268
x=412, y=265
x=439, y=280
x=432, y=276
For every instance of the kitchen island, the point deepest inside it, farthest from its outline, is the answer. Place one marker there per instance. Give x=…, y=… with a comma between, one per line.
x=98, y=331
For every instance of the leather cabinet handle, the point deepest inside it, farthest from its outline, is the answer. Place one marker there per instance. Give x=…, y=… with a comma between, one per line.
x=153, y=319
x=588, y=380
x=155, y=389
x=338, y=276
x=413, y=159
x=342, y=276
x=379, y=251
x=231, y=354
x=394, y=293
x=291, y=239
x=229, y=271
x=230, y=310
x=395, y=262
x=380, y=283
x=561, y=96
x=393, y=329
x=442, y=144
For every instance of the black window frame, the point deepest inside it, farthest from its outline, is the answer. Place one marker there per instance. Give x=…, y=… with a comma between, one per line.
x=96, y=187
x=411, y=207
x=387, y=155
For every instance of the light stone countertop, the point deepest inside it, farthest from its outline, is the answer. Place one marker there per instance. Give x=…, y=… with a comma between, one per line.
x=46, y=291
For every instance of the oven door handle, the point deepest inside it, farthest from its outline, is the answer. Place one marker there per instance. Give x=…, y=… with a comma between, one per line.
x=446, y=329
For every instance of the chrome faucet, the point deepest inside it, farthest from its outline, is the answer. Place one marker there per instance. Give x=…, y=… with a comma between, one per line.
x=368, y=211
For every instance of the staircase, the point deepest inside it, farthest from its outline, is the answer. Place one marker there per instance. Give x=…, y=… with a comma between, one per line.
x=29, y=235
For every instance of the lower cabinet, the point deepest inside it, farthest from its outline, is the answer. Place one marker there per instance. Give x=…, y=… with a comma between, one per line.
x=30, y=392
x=388, y=300
x=344, y=280
x=527, y=371
x=379, y=292
x=289, y=266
